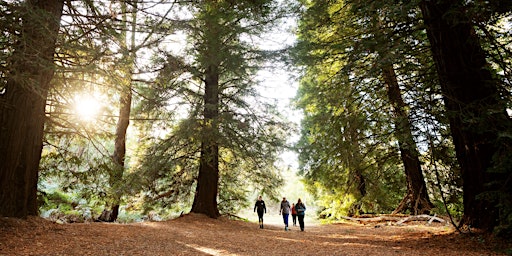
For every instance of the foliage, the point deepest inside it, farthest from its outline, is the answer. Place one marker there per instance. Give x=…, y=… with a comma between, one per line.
x=164, y=144
x=92, y=62
x=248, y=131
x=348, y=150
x=348, y=133
x=341, y=49
x=340, y=152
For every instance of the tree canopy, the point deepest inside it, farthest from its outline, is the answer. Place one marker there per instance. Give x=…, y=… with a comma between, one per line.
x=351, y=51
x=156, y=107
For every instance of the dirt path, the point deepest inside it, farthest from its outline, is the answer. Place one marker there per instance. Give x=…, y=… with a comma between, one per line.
x=199, y=235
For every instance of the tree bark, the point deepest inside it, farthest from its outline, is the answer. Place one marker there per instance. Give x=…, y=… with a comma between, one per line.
x=22, y=107
x=416, y=200
x=205, y=199
x=116, y=174
x=353, y=134
x=125, y=107
x=471, y=98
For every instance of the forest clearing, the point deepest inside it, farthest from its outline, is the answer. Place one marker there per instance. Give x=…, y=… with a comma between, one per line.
x=196, y=234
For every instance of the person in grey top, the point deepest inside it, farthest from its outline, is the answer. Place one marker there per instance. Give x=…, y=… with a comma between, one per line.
x=285, y=210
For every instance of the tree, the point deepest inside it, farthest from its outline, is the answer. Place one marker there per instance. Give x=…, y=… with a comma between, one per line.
x=417, y=199
x=77, y=153
x=22, y=107
x=98, y=59
x=222, y=61
x=476, y=110
x=166, y=159
x=359, y=47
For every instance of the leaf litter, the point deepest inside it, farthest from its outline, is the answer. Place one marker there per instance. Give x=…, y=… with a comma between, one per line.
x=195, y=234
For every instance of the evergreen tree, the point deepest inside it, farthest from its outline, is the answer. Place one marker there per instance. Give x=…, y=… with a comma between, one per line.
x=22, y=106
x=382, y=28
x=340, y=149
x=91, y=158
x=225, y=63
x=476, y=108
x=378, y=48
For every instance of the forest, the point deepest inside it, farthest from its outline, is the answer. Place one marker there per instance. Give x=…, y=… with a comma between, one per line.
x=133, y=109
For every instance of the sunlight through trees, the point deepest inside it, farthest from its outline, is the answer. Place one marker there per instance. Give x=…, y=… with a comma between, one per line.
x=151, y=109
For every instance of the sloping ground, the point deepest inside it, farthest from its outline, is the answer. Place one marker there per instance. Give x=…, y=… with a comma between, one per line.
x=198, y=235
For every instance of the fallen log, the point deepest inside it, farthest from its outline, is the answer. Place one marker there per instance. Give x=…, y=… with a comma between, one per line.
x=373, y=219
x=423, y=217
x=398, y=219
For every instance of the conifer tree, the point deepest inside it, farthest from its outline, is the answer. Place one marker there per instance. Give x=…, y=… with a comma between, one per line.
x=225, y=63
x=472, y=94
x=22, y=106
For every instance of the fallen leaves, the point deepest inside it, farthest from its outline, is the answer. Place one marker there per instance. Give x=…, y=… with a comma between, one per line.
x=195, y=234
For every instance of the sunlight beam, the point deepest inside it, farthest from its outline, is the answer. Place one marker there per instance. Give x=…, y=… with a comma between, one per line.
x=86, y=107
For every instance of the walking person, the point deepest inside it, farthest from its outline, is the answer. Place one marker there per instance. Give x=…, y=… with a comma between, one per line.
x=301, y=211
x=294, y=215
x=285, y=210
x=261, y=208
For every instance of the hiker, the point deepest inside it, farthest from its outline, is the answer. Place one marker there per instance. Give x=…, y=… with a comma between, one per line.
x=285, y=210
x=301, y=211
x=260, y=206
x=294, y=215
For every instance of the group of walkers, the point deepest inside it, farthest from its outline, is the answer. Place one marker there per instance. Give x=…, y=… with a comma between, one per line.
x=296, y=210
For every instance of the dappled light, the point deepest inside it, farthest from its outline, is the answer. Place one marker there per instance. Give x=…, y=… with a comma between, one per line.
x=209, y=251
x=150, y=127
x=196, y=234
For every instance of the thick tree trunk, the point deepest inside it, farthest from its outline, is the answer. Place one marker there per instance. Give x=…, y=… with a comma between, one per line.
x=472, y=102
x=205, y=200
x=22, y=107
x=416, y=200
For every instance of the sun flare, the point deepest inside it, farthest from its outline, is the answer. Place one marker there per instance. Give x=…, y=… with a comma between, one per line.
x=87, y=107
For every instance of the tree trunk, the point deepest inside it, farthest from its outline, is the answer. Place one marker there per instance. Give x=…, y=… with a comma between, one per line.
x=205, y=200
x=123, y=121
x=472, y=103
x=353, y=134
x=116, y=174
x=22, y=107
x=356, y=208
x=416, y=200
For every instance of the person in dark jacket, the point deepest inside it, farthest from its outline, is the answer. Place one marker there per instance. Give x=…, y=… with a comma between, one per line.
x=261, y=208
x=301, y=211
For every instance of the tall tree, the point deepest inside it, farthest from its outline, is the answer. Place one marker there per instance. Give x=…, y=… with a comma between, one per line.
x=128, y=51
x=99, y=60
x=475, y=108
x=388, y=32
x=363, y=41
x=22, y=106
x=205, y=200
x=224, y=62
x=416, y=200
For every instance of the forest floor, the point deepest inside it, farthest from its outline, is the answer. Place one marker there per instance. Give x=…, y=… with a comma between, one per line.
x=195, y=234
